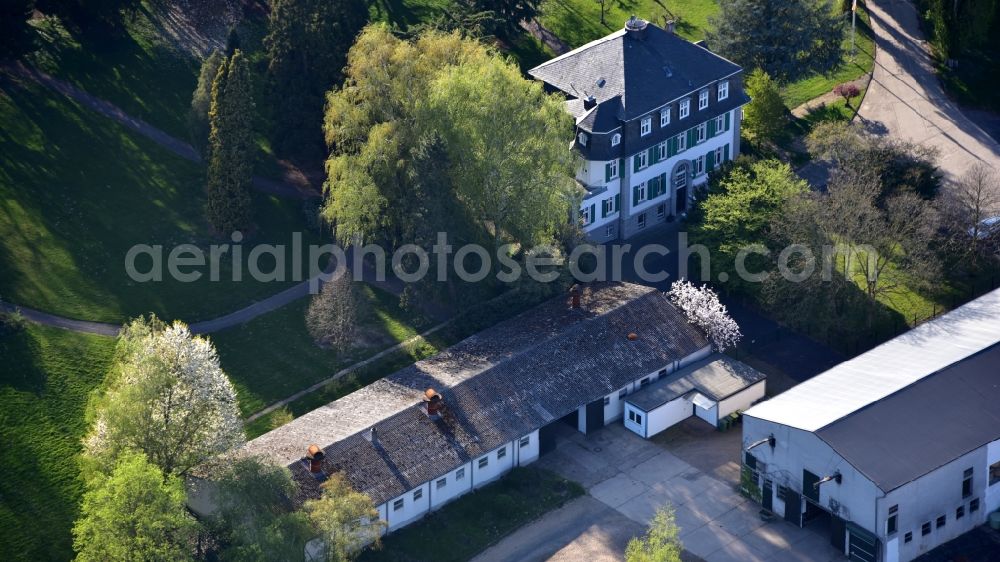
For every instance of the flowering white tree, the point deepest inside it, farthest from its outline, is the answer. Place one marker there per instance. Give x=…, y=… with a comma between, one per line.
x=702, y=308
x=168, y=397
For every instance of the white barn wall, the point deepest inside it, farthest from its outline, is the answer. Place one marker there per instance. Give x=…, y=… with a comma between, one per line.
x=411, y=510
x=529, y=453
x=710, y=415
x=671, y=413
x=932, y=495
x=742, y=399
x=493, y=470
x=992, y=495
x=453, y=487
x=796, y=450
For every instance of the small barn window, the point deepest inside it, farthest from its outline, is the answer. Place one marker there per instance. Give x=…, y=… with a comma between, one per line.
x=441, y=483
x=418, y=493
x=890, y=524
x=925, y=529
x=502, y=453
x=960, y=512
x=460, y=473
x=908, y=537
x=398, y=504
x=967, y=483
x=484, y=462
x=941, y=521
x=525, y=441
x=974, y=505
x=644, y=381
x=607, y=400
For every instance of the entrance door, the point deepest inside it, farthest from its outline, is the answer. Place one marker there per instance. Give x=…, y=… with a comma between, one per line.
x=547, y=438
x=595, y=415
x=838, y=533
x=793, y=507
x=682, y=199
x=767, y=495
x=680, y=184
x=862, y=546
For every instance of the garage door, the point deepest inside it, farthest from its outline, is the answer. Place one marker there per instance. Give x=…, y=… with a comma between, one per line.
x=862, y=545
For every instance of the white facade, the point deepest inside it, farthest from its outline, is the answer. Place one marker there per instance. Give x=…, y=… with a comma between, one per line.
x=742, y=400
x=482, y=470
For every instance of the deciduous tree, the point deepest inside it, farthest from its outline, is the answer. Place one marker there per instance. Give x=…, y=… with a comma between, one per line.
x=334, y=313
x=788, y=39
x=702, y=308
x=166, y=397
x=973, y=199
x=766, y=114
x=134, y=513
x=661, y=542
x=346, y=519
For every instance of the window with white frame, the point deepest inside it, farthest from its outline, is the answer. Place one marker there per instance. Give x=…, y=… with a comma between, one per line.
x=441, y=483
x=585, y=215
x=641, y=220
x=719, y=155
x=616, y=139
x=702, y=99
x=723, y=90
x=699, y=165
x=484, y=462
x=582, y=137
x=525, y=441
x=702, y=132
x=635, y=417
x=502, y=453
x=646, y=126
x=642, y=160
x=609, y=231
x=685, y=109
x=641, y=190
x=418, y=493
x=665, y=116
x=613, y=169
x=460, y=473
x=682, y=142
x=720, y=123
x=398, y=504
x=662, y=150
x=609, y=204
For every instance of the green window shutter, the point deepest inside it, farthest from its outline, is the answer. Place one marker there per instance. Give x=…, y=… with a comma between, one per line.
x=653, y=187
x=635, y=195
x=635, y=163
x=691, y=138
x=671, y=147
x=651, y=155
x=711, y=128
x=618, y=202
x=710, y=160
x=607, y=172
x=621, y=167
x=604, y=209
x=725, y=153
x=593, y=210
x=727, y=120
x=663, y=183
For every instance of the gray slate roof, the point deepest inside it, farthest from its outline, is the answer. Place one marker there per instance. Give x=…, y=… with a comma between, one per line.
x=925, y=425
x=643, y=72
x=717, y=377
x=498, y=385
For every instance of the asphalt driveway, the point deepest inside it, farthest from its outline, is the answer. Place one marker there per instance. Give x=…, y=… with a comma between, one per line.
x=691, y=467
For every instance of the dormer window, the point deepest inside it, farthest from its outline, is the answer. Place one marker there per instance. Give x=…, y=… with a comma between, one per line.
x=702, y=100
x=723, y=90
x=647, y=126
x=616, y=139
x=665, y=116
x=582, y=138
x=685, y=108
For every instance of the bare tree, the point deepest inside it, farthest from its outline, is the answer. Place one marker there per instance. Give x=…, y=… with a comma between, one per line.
x=975, y=198
x=333, y=314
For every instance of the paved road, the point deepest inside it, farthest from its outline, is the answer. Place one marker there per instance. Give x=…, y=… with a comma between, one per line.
x=906, y=99
x=691, y=467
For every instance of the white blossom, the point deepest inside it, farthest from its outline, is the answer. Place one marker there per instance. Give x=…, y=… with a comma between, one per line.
x=702, y=308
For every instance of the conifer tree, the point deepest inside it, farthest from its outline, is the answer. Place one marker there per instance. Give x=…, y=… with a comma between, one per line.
x=230, y=165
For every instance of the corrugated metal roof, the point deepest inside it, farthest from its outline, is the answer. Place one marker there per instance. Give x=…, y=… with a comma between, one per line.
x=888, y=368
x=716, y=377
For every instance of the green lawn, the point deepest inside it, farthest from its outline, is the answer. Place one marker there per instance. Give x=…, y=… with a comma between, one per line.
x=45, y=377
x=463, y=528
x=77, y=191
x=273, y=356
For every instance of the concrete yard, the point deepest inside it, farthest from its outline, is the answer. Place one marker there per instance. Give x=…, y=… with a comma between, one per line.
x=690, y=466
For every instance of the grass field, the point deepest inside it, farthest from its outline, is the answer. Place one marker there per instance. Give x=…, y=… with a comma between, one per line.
x=77, y=191
x=273, y=356
x=463, y=528
x=45, y=377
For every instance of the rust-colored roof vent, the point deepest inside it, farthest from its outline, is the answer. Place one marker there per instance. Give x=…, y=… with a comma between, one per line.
x=433, y=403
x=632, y=336
x=315, y=457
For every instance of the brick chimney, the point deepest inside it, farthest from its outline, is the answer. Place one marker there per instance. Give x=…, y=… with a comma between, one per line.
x=589, y=102
x=433, y=403
x=315, y=457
